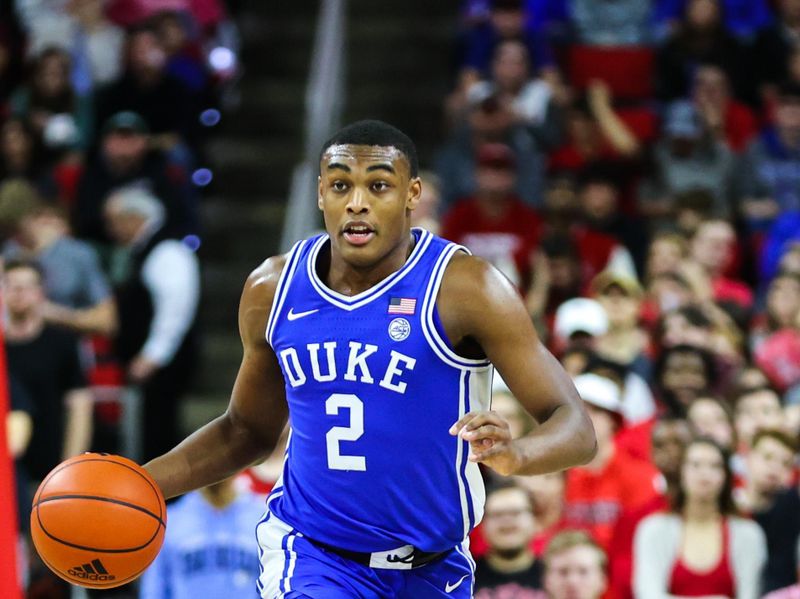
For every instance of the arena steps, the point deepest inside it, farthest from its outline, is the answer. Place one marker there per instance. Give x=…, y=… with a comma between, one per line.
x=400, y=60
x=252, y=155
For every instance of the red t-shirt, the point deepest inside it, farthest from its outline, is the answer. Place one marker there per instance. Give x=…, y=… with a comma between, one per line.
x=636, y=440
x=595, y=499
x=507, y=241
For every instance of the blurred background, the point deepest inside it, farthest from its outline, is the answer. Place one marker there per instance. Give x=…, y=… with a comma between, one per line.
x=632, y=166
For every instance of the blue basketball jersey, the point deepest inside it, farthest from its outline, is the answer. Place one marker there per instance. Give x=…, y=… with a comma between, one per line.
x=373, y=387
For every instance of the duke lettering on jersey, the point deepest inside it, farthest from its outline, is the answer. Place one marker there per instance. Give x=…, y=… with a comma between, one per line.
x=365, y=357
x=370, y=464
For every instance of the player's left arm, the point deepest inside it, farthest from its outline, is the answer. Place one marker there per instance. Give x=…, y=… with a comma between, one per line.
x=483, y=312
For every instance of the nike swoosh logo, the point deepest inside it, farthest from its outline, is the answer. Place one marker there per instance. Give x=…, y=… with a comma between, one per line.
x=292, y=315
x=449, y=588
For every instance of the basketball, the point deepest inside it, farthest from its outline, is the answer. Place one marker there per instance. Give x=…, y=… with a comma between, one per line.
x=98, y=520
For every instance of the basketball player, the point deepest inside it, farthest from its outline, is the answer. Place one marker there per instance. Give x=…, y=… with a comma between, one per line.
x=378, y=340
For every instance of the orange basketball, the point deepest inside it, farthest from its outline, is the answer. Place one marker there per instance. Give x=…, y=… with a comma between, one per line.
x=98, y=520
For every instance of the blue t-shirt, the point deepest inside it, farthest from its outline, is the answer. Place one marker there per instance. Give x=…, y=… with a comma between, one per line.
x=207, y=552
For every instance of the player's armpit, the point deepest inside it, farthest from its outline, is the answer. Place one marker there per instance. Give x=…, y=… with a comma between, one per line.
x=476, y=303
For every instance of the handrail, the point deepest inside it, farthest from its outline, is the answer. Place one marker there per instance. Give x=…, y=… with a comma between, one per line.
x=323, y=103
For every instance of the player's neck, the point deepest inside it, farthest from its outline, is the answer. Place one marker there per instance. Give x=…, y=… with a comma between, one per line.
x=349, y=280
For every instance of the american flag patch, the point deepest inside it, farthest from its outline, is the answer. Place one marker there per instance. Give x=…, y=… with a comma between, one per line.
x=402, y=305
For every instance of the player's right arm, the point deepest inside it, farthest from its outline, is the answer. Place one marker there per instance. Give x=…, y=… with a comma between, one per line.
x=250, y=427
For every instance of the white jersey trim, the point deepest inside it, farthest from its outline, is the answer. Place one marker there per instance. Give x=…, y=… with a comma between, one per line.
x=283, y=286
x=350, y=303
x=479, y=399
x=439, y=346
x=460, y=457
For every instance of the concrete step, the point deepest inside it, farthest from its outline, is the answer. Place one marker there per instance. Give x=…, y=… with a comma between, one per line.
x=222, y=287
x=274, y=93
x=411, y=29
x=222, y=354
x=418, y=11
x=200, y=409
x=415, y=42
x=253, y=155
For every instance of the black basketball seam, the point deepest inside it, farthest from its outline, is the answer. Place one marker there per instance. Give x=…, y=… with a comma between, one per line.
x=61, y=467
x=106, y=499
x=93, y=549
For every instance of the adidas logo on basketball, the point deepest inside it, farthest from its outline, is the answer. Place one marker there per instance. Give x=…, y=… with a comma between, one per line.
x=94, y=572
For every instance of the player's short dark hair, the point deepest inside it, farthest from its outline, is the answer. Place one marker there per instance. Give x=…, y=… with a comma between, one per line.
x=21, y=263
x=375, y=133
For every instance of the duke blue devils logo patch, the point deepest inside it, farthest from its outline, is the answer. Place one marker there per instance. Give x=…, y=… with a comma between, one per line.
x=399, y=329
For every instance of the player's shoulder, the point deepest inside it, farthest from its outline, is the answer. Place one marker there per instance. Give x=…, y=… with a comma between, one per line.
x=262, y=281
x=469, y=277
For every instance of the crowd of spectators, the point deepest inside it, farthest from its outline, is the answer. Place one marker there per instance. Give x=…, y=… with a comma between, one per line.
x=633, y=166
x=105, y=106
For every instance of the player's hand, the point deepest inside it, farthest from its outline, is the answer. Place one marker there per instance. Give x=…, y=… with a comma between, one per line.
x=490, y=441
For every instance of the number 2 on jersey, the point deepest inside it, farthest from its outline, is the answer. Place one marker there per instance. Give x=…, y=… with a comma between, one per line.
x=333, y=404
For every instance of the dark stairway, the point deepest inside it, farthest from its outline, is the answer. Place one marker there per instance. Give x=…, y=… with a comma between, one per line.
x=252, y=155
x=399, y=62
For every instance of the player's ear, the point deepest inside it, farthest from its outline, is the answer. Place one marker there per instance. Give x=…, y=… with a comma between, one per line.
x=319, y=192
x=414, y=193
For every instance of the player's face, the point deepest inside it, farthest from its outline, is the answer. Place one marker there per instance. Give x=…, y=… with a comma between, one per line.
x=366, y=194
x=575, y=574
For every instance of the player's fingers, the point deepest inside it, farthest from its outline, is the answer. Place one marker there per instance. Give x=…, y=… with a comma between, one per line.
x=462, y=422
x=490, y=419
x=485, y=454
x=482, y=418
x=487, y=431
x=481, y=445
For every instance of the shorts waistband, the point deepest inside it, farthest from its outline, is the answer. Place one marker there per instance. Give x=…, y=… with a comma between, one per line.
x=406, y=557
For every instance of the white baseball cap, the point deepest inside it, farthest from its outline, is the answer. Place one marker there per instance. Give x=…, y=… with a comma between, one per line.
x=599, y=391
x=580, y=314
